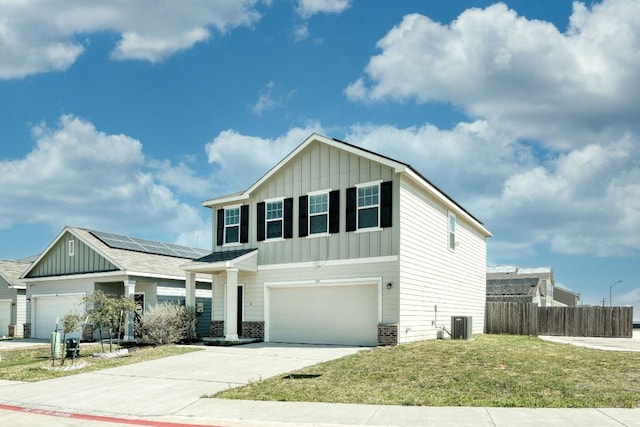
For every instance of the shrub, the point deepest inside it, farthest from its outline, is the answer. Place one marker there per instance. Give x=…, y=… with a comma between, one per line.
x=166, y=323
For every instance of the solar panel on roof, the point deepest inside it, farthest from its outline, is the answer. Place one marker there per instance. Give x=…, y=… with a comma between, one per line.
x=116, y=241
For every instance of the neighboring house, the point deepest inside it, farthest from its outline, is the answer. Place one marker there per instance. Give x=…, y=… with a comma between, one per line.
x=80, y=261
x=532, y=285
x=13, y=302
x=340, y=245
x=565, y=297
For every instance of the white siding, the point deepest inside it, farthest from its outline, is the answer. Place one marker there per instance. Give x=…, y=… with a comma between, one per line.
x=254, y=292
x=432, y=275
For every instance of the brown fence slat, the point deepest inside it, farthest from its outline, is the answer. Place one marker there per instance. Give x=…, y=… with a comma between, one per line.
x=529, y=319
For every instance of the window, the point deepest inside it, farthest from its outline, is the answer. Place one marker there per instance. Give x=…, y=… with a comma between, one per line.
x=274, y=219
x=452, y=231
x=319, y=213
x=72, y=247
x=368, y=206
x=232, y=225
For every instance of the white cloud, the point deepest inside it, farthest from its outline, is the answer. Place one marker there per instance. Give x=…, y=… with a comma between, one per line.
x=39, y=36
x=586, y=201
x=301, y=32
x=181, y=178
x=522, y=75
x=266, y=101
x=241, y=160
x=77, y=175
x=308, y=8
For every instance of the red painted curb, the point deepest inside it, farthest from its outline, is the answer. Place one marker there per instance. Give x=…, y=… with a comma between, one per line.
x=86, y=417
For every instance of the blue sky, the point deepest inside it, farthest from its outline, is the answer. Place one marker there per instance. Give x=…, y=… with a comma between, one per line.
x=124, y=116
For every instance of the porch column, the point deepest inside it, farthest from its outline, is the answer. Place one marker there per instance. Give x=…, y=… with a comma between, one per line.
x=190, y=290
x=231, y=317
x=129, y=290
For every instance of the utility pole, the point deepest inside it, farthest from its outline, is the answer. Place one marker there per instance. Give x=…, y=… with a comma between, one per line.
x=610, y=292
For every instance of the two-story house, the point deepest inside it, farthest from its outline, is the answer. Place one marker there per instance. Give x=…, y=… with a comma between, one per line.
x=340, y=245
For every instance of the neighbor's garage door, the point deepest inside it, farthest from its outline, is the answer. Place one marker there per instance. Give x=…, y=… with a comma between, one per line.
x=49, y=308
x=5, y=317
x=324, y=314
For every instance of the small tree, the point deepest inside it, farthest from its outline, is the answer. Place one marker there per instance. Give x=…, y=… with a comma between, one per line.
x=109, y=312
x=70, y=322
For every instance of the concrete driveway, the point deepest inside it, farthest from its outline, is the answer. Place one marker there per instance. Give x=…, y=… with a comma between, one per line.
x=165, y=386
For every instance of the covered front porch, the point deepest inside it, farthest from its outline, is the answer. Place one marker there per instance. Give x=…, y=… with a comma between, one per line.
x=224, y=268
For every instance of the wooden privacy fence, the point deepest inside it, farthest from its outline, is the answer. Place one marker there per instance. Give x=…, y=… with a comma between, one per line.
x=529, y=319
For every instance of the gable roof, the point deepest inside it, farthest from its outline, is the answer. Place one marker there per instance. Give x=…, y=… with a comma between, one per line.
x=11, y=271
x=397, y=166
x=130, y=262
x=510, y=272
x=513, y=287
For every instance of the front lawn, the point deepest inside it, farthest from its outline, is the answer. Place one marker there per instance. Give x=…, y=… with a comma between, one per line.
x=27, y=364
x=490, y=370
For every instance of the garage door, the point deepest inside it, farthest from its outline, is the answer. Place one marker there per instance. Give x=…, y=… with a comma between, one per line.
x=5, y=317
x=345, y=315
x=49, y=308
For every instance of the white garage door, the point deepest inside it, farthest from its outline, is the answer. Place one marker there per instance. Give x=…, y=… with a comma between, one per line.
x=5, y=317
x=49, y=308
x=324, y=314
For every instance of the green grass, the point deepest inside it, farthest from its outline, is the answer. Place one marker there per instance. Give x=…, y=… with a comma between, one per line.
x=26, y=364
x=491, y=370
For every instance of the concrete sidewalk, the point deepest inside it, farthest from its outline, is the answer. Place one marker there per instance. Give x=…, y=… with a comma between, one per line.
x=599, y=343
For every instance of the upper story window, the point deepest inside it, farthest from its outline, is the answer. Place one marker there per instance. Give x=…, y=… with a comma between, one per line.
x=368, y=206
x=274, y=218
x=232, y=225
x=452, y=231
x=319, y=213
x=72, y=247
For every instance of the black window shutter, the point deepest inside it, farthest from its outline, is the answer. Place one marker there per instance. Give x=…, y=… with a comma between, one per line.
x=334, y=211
x=220, y=227
x=303, y=212
x=244, y=224
x=386, y=202
x=288, y=218
x=351, y=208
x=260, y=224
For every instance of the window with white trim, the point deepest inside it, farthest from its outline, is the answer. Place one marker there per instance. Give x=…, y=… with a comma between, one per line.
x=368, y=206
x=72, y=247
x=319, y=213
x=232, y=225
x=274, y=219
x=452, y=231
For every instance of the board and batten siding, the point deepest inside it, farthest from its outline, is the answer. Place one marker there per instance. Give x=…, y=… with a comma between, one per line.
x=433, y=275
x=318, y=167
x=254, y=285
x=57, y=262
